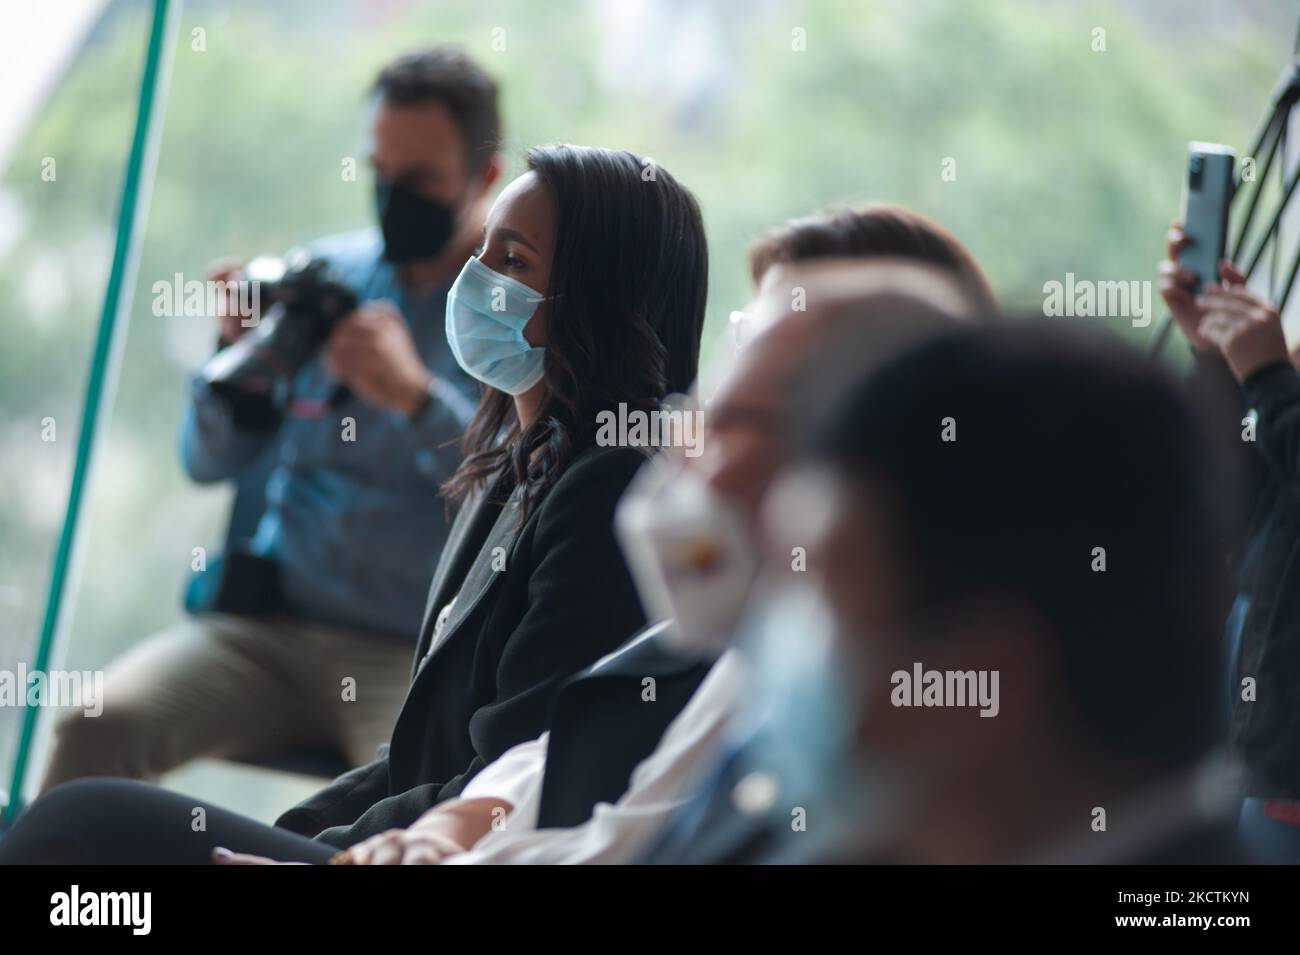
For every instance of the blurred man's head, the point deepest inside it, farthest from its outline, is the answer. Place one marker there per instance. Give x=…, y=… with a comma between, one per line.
x=813, y=278
x=693, y=543
x=871, y=231
x=435, y=136
x=847, y=311
x=691, y=536
x=1031, y=504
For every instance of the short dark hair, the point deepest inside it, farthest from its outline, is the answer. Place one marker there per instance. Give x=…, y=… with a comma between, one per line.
x=446, y=75
x=872, y=231
x=1065, y=441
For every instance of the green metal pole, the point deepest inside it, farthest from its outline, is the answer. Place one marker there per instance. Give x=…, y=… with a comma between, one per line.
x=106, y=360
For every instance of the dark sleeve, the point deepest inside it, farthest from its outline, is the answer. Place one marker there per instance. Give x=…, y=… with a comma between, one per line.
x=1213, y=386
x=1274, y=394
x=392, y=812
x=1219, y=404
x=340, y=802
x=581, y=605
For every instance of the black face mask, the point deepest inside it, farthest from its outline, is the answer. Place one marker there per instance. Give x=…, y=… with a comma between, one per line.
x=414, y=227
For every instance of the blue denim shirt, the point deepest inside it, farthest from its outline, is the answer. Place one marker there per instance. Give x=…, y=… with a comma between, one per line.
x=356, y=526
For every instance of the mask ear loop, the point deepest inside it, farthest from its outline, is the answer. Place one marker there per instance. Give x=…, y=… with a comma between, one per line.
x=683, y=438
x=738, y=321
x=529, y=299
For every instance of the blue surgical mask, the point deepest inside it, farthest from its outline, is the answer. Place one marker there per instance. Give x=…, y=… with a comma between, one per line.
x=486, y=315
x=801, y=717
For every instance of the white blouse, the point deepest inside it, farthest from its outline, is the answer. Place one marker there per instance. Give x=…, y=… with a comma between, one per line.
x=615, y=832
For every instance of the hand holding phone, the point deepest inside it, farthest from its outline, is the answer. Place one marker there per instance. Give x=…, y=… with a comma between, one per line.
x=1206, y=196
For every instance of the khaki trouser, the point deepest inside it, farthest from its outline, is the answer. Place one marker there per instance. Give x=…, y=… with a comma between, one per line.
x=224, y=686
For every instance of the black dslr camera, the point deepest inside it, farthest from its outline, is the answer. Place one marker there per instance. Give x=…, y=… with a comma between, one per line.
x=299, y=301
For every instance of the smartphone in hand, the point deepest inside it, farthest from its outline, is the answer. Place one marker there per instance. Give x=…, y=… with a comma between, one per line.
x=1206, y=195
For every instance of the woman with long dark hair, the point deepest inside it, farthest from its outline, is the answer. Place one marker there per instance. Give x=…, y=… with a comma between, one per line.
x=620, y=323
x=588, y=293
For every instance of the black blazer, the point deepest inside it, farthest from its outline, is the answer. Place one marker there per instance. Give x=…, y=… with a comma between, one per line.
x=534, y=604
x=603, y=725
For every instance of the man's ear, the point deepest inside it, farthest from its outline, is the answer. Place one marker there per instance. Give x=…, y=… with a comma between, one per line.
x=488, y=176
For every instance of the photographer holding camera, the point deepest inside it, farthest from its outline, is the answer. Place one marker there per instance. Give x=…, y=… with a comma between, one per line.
x=338, y=416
